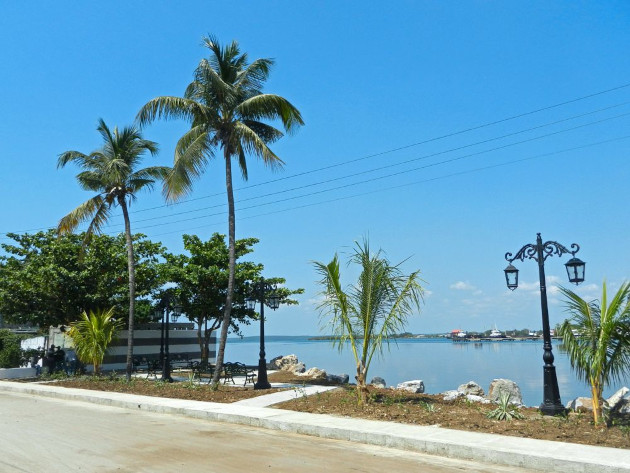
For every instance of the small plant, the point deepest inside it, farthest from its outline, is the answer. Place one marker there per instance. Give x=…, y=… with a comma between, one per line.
x=428, y=406
x=190, y=383
x=505, y=410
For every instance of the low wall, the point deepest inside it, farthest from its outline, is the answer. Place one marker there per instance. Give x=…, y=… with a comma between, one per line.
x=17, y=373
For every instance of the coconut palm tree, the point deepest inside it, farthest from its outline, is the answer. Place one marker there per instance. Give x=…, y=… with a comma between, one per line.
x=370, y=312
x=226, y=108
x=599, y=349
x=92, y=335
x=112, y=172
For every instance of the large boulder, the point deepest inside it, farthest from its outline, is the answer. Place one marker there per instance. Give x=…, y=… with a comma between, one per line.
x=616, y=399
x=287, y=363
x=500, y=385
x=581, y=404
x=479, y=399
x=314, y=373
x=378, y=382
x=452, y=395
x=338, y=378
x=415, y=386
x=471, y=388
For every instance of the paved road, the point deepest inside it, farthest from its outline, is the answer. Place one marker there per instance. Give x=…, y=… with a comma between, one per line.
x=49, y=435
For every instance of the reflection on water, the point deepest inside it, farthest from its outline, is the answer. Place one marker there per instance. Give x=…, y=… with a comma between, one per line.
x=440, y=363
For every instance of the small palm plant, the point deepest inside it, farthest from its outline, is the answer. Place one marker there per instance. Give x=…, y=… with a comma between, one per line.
x=600, y=352
x=370, y=312
x=92, y=336
x=505, y=410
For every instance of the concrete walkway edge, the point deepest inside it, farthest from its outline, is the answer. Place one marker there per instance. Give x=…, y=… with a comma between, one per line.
x=495, y=449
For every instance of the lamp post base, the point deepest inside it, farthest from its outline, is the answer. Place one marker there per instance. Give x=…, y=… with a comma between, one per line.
x=261, y=380
x=552, y=405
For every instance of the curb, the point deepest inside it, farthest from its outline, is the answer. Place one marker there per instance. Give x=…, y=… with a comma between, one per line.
x=495, y=449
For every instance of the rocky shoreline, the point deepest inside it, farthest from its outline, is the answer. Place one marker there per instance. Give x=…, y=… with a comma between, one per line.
x=617, y=405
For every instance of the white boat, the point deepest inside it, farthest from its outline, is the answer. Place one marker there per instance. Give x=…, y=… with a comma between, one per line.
x=496, y=333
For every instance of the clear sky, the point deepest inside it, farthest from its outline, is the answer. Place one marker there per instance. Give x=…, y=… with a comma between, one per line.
x=388, y=92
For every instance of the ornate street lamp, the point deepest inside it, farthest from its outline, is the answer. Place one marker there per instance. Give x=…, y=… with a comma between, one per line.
x=168, y=310
x=266, y=294
x=575, y=270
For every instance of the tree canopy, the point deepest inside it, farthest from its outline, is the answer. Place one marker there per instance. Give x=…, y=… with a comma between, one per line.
x=48, y=280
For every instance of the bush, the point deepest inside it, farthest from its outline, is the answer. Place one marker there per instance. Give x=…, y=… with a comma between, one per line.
x=10, y=350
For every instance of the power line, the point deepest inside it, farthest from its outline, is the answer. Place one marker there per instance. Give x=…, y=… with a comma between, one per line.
x=391, y=187
x=327, y=181
x=446, y=176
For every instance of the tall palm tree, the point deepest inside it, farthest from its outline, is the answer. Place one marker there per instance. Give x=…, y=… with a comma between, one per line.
x=226, y=108
x=112, y=172
x=599, y=349
x=370, y=312
x=92, y=335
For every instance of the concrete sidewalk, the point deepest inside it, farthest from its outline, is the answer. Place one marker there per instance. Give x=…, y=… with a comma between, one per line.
x=497, y=449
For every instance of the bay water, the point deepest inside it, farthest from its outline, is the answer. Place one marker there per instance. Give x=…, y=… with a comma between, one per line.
x=441, y=363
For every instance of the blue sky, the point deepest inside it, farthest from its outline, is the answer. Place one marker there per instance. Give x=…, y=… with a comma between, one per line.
x=387, y=94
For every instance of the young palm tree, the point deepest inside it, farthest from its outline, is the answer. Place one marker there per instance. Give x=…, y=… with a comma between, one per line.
x=370, y=312
x=112, y=172
x=600, y=352
x=92, y=335
x=226, y=108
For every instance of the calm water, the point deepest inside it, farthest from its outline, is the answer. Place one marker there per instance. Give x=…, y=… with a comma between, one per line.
x=440, y=363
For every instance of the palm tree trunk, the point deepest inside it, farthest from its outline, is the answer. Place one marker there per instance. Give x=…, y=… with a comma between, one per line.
x=132, y=285
x=596, y=393
x=225, y=325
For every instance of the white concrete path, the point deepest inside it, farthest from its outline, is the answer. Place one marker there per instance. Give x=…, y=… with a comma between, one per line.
x=496, y=449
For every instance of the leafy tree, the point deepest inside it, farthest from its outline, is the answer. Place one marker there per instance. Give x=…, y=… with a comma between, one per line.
x=92, y=335
x=113, y=173
x=201, y=281
x=371, y=311
x=600, y=351
x=48, y=280
x=10, y=349
x=226, y=107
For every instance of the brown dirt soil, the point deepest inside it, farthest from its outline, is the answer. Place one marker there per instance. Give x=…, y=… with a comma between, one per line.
x=387, y=405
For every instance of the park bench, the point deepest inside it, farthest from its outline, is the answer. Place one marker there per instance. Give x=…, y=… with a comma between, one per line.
x=237, y=369
x=200, y=370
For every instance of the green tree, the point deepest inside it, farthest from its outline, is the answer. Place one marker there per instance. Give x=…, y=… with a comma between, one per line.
x=370, y=312
x=48, y=280
x=113, y=173
x=226, y=106
x=10, y=349
x=92, y=335
x=599, y=349
x=201, y=281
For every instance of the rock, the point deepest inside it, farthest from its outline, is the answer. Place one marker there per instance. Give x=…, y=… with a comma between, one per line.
x=339, y=378
x=498, y=386
x=452, y=395
x=287, y=363
x=378, y=382
x=475, y=398
x=581, y=404
x=471, y=388
x=623, y=408
x=314, y=373
x=617, y=398
x=416, y=386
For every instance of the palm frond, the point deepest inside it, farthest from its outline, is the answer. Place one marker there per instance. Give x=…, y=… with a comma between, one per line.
x=272, y=107
x=252, y=143
x=191, y=154
x=90, y=209
x=168, y=108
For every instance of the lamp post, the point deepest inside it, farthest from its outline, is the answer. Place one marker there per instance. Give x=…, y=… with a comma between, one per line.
x=575, y=270
x=168, y=309
x=265, y=293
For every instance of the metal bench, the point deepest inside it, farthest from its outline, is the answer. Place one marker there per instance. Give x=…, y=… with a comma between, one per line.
x=237, y=369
